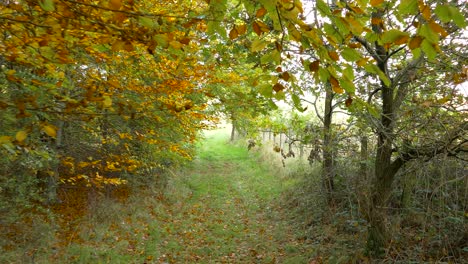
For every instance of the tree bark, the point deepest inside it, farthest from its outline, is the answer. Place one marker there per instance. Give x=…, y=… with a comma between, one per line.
x=378, y=235
x=363, y=168
x=233, y=130
x=327, y=165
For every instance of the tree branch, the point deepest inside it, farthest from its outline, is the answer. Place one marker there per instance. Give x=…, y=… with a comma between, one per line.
x=447, y=145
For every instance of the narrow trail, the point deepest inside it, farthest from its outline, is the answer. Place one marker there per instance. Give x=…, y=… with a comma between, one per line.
x=229, y=214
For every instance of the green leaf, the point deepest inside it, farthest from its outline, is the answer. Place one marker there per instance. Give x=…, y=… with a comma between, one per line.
x=146, y=22
x=296, y=101
x=47, y=5
x=447, y=13
x=265, y=89
x=372, y=37
x=215, y=29
x=350, y=54
x=280, y=95
x=347, y=85
x=429, y=50
x=258, y=45
x=408, y=7
x=162, y=40
x=416, y=52
x=426, y=32
x=457, y=17
x=393, y=35
x=372, y=68
x=348, y=73
x=372, y=110
x=443, y=12
x=384, y=78
x=333, y=33
x=341, y=26
x=323, y=8
x=273, y=56
x=270, y=6
x=324, y=75
x=272, y=105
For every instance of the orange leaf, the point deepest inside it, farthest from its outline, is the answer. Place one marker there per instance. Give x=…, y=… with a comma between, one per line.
x=401, y=40
x=278, y=87
x=425, y=10
x=376, y=21
x=333, y=55
x=336, y=85
x=185, y=41
x=285, y=76
x=120, y=17
x=415, y=42
x=241, y=29
x=259, y=27
x=233, y=34
x=354, y=45
x=348, y=102
x=437, y=28
x=261, y=12
x=256, y=28
x=314, y=66
x=376, y=2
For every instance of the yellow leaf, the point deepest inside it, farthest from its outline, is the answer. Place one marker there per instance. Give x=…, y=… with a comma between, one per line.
x=107, y=101
x=175, y=44
x=118, y=45
x=115, y=4
x=362, y=62
x=5, y=139
x=21, y=136
x=50, y=130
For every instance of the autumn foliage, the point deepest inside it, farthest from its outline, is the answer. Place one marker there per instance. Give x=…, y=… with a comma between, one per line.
x=105, y=76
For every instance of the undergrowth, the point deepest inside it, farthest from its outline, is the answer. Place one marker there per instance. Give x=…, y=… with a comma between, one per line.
x=221, y=209
x=232, y=205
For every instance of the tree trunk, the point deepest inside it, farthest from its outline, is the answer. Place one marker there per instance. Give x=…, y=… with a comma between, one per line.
x=363, y=168
x=385, y=170
x=328, y=169
x=233, y=130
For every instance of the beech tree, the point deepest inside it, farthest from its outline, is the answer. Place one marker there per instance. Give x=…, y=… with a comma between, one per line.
x=394, y=43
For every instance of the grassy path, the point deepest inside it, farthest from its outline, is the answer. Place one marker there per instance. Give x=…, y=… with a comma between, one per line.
x=222, y=209
x=228, y=215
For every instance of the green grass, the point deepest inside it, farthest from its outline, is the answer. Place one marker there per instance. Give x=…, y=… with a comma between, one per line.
x=229, y=209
